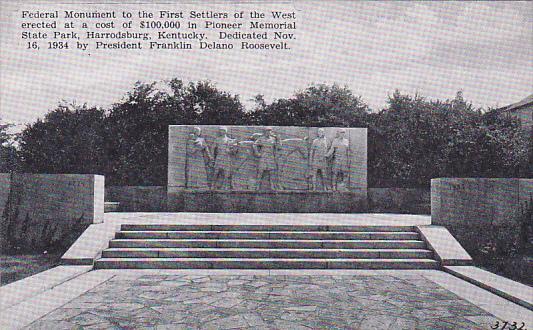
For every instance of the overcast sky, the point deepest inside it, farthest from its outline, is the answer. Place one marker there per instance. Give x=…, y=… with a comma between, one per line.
x=435, y=49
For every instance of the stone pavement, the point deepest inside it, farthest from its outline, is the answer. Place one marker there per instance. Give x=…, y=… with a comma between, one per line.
x=158, y=300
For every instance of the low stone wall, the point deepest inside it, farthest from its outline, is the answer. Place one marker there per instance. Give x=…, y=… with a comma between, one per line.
x=48, y=211
x=267, y=202
x=456, y=201
x=138, y=198
x=380, y=200
x=485, y=215
x=399, y=200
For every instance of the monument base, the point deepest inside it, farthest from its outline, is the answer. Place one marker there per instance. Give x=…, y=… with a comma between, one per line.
x=267, y=202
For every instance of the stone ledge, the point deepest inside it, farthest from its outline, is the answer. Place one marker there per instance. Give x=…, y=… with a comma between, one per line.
x=90, y=244
x=16, y=292
x=111, y=207
x=33, y=308
x=447, y=249
x=516, y=292
x=262, y=192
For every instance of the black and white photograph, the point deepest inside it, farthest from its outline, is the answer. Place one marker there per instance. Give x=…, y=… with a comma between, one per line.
x=278, y=164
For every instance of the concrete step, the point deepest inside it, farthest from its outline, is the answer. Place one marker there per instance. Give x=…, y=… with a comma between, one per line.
x=271, y=243
x=291, y=235
x=235, y=263
x=268, y=253
x=174, y=227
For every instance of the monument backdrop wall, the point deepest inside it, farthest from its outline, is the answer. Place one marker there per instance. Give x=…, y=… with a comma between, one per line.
x=210, y=168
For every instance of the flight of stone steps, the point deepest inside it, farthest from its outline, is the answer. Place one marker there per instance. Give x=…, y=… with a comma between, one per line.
x=266, y=247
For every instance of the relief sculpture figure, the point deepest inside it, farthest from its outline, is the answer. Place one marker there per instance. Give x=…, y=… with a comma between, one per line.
x=340, y=154
x=319, y=163
x=198, y=158
x=293, y=164
x=246, y=163
x=266, y=149
x=223, y=152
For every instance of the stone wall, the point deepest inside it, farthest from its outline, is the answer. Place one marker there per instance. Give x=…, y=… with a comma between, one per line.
x=380, y=200
x=487, y=216
x=267, y=202
x=456, y=201
x=48, y=211
x=138, y=198
x=399, y=200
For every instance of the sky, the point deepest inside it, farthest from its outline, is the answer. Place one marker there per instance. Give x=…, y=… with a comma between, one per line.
x=431, y=48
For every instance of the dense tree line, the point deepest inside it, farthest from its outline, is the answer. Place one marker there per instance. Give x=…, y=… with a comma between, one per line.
x=414, y=140
x=9, y=158
x=410, y=141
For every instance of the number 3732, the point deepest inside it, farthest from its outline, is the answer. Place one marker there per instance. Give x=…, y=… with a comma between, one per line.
x=508, y=325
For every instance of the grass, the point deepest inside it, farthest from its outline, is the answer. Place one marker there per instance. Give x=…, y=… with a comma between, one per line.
x=14, y=267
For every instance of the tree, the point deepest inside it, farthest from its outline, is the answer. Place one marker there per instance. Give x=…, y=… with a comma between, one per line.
x=137, y=127
x=9, y=161
x=405, y=142
x=68, y=140
x=410, y=141
x=135, y=136
x=214, y=107
x=319, y=105
x=414, y=140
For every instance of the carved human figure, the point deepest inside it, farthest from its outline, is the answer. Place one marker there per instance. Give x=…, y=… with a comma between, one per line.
x=198, y=157
x=340, y=153
x=319, y=164
x=247, y=163
x=266, y=148
x=223, y=151
x=293, y=172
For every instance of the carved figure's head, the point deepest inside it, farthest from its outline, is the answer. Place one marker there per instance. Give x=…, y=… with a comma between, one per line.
x=222, y=131
x=321, y=133
x=256, y=136
x=196, y=132
x=269, y=131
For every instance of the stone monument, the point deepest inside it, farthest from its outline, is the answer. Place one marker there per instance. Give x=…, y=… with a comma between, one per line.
x=267, y=169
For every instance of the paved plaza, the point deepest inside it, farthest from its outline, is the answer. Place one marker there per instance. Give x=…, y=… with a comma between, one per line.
x=79, y=297
x=267, y=302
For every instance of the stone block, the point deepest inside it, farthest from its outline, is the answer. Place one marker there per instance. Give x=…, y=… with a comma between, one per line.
x=266, y=202
x=456, y=201
x=49, y=210
x=399, y=200
x=138, y=198
x=525, y=191
x=481, y=212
